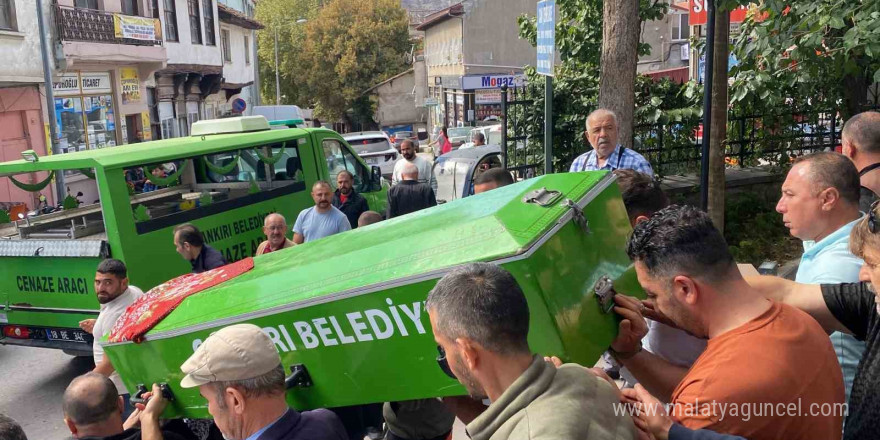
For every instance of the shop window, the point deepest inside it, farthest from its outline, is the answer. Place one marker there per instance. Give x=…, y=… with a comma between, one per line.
x=224, y=46
x=208, y=10
x=341, y=158
x=223, y=182
x=171, y=21
x=680, y=27
x=7, y=15
x=195, y=21
x=247, y=50
x=192, y=118
x=85, y=123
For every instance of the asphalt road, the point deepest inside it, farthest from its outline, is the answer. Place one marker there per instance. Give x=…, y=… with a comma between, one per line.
x=32, y=381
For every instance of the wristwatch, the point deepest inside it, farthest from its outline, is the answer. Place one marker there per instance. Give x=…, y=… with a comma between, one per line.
x=618, y=356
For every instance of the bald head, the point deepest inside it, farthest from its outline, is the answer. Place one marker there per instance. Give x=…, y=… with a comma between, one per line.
x=862, y=132
x=274, y=218
x=91, y=399
x=410, y=171
x=368, y=218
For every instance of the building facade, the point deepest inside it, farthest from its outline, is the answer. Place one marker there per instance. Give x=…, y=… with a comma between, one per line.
x=21, y=102
x=194, y=68
x=669, y=38
x=471, y=49
x=238, y=92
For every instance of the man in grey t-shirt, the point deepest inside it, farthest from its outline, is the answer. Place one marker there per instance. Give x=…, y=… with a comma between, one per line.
x=320, y=220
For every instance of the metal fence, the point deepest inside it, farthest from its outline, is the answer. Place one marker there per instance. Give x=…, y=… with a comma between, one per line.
x=672, y=148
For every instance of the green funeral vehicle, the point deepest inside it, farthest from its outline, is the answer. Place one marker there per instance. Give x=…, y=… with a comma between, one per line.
x=224, y=179
x=347, y=312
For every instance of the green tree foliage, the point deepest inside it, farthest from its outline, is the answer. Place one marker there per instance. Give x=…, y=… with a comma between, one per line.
x=576, y=88
x=282, y=15
x=808, y=55
x=350, y=46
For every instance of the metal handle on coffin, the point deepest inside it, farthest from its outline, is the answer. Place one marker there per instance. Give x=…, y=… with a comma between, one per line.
x=604, y=290
x=142, y=389
x=542, y=197
x=299, y=377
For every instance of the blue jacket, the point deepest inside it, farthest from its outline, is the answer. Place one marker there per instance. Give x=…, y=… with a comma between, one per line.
x=319, y=424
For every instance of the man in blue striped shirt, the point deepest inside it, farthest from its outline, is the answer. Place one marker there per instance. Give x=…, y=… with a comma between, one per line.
x=607, y=154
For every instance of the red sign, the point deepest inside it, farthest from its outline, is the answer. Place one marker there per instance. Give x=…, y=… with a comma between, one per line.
x=697, y=13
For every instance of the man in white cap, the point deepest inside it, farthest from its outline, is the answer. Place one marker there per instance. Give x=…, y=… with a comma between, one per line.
x=238, y=371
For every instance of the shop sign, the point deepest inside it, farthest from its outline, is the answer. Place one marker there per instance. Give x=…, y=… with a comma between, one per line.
x=459, y=99
x=697, y=13
x=131, y=85
x=67, y=85
x=147, y=131
x=71, y=84
x=136, y=28
x=490, y=96
x=492, y=81
x=430, y=102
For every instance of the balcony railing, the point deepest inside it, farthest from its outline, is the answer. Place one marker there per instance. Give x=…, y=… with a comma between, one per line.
x=79, y=24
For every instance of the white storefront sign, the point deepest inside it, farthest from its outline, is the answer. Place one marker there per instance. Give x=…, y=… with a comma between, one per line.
x=86, y=83
x=489, y=96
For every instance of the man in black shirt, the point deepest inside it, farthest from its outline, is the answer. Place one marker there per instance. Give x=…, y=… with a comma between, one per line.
x=850, y=308
x=190, y=244
x=860, y=142
x=409, y=195
x=347, y=200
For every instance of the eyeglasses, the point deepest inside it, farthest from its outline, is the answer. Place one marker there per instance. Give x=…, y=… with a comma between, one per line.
x=443, y=363
x=873, y=225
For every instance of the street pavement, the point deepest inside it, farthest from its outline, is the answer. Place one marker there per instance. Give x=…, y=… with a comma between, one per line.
x=32, y=381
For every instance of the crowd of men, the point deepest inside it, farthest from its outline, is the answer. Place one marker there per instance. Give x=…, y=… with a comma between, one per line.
x=707, y=343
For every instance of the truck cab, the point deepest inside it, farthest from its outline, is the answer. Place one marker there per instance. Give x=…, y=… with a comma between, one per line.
x=224, y=178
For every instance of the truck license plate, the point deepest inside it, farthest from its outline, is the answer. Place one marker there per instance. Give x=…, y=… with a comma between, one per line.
x=67, y=335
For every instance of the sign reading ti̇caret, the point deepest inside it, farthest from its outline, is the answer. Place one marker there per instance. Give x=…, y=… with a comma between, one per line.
x=546, y=36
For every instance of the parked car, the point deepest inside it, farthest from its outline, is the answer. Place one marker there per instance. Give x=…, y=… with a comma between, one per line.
x=401, y=135
x=375, y=148
x=456, y=171
x=491, y=134
x=458, y=136
x=290, y=115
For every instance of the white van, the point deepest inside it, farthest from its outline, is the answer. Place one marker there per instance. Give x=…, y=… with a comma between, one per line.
x=287, y=115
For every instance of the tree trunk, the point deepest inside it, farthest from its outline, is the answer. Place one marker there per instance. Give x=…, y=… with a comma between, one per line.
x=718, y=136
x=620, y=44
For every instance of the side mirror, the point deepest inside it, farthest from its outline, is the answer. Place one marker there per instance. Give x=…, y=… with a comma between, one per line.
x=376, y=177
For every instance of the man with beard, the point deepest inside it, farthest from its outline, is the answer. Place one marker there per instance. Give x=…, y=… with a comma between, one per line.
x=347, y=200
x=480, y=320
x=607, y=154
x=115, y=295
x=275, y=228
x=754, y=345
x=426, y=172
x=321, y=220
x=850, y=308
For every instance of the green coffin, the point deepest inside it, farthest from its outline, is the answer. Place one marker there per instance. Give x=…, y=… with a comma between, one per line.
x=350, y=307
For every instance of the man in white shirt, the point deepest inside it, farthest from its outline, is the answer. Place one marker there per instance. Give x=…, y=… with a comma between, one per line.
x=426, y=171
x=114, y=295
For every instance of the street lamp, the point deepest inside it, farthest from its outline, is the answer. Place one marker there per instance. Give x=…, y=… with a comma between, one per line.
x=277, y=69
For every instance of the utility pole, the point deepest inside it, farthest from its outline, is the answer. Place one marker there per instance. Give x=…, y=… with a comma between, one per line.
x=50, y=100
x=277, y=72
